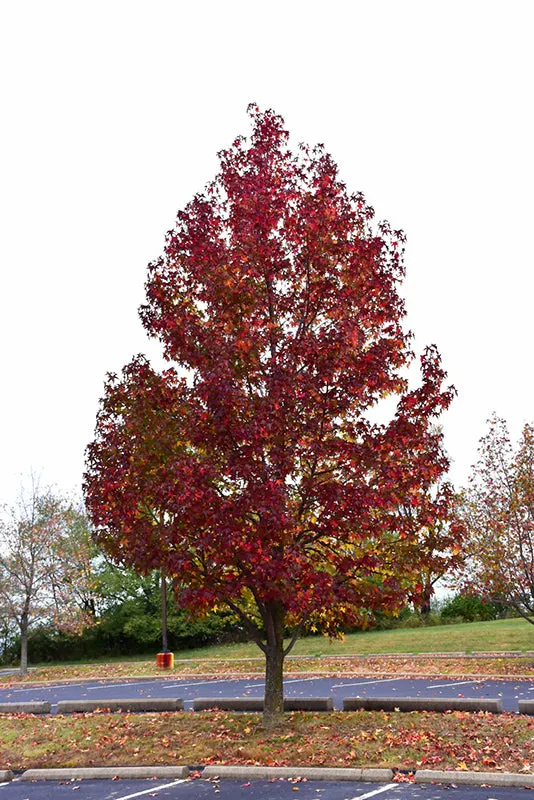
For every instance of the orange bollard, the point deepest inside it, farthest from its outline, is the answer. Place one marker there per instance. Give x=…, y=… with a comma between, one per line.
x=165, y=660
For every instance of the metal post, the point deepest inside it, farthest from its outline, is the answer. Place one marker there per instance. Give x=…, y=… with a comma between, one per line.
x=164, y=641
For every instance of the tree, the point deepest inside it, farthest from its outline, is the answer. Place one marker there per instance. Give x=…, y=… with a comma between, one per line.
x=259, y=481
x=44, y=566
x=441, y=549
x=499, y=517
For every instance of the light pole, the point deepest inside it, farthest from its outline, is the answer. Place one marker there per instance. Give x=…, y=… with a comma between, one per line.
x=164, y=660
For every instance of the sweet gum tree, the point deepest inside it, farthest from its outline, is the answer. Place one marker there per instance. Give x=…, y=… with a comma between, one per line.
x=499, y=520
x=259, y=482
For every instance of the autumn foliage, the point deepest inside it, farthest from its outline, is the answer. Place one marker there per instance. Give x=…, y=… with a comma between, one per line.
x=252, y=469
x=499, y=518
x=45, y=569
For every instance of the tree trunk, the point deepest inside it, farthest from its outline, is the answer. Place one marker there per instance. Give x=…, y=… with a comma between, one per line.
x=24, y=647
x=425, y=606
x=273, y=709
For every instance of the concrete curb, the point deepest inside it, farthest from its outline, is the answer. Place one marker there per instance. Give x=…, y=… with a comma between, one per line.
x=136, y=704
x=474, y=778
x=492, y=705
x=308, y=704
x=101, y=773
x=256, y=703
x=228, y=703
x=25, y=708
x=355, y=774
x=311, y=773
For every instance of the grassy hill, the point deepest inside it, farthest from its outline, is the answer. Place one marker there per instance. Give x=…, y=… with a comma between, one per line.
x=503, y=634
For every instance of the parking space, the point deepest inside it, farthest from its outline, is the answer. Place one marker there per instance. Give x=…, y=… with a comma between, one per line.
x=253, y=790
x=510, y=692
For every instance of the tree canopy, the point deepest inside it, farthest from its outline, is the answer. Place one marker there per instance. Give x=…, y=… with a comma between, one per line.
x=499, y=519
x=45, y=576
x=251, y=470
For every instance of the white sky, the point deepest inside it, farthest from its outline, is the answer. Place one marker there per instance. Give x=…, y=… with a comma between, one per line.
x=113, y=113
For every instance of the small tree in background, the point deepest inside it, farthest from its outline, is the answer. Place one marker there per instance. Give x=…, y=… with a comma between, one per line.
x=260, y=482
x=444, y=555
x=44, y=566
x=498, y=512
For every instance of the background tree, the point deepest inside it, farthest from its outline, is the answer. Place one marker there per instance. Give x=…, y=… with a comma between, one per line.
x=260, y=482
x=44, y=566
x=499, y=518
x=441, y=543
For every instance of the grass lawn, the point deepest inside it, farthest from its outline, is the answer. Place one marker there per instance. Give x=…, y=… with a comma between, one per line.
x=372, y=739
x=503, y=634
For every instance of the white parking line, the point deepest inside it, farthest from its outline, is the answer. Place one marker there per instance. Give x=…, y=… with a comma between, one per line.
x=197, y=683
x=295, y=680
x=47, y=688
x=153, y=789
x=365, y=683
x=369, y=794
x=458, y=683
x=117, y=685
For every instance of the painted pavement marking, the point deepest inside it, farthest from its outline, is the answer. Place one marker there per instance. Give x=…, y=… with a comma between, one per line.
x=153, y=790
x=369, y=794
x=197, y=683
x=295, y=680
x=458, y=683
x=117, y=685
x=365, y=683
x=47, y=688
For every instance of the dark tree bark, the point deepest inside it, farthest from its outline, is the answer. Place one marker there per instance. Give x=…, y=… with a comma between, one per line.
x=425, y=606
x=273, y=711
x=24, y=644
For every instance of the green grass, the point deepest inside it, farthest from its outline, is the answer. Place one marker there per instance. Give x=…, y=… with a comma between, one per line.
x=503, y=634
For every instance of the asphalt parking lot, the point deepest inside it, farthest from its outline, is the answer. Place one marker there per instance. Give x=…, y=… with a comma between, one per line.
x=253, y=790
x=510, y=692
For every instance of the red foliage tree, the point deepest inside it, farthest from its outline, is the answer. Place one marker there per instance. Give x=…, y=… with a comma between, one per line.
x=260, y=482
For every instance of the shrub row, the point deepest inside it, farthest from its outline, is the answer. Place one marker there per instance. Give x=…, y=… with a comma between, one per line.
x=125, y=631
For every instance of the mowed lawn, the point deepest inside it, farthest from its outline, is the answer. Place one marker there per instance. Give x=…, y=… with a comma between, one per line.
x=503, y=634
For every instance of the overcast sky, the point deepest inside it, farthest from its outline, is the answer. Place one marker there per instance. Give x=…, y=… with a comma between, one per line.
x=113, y=113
